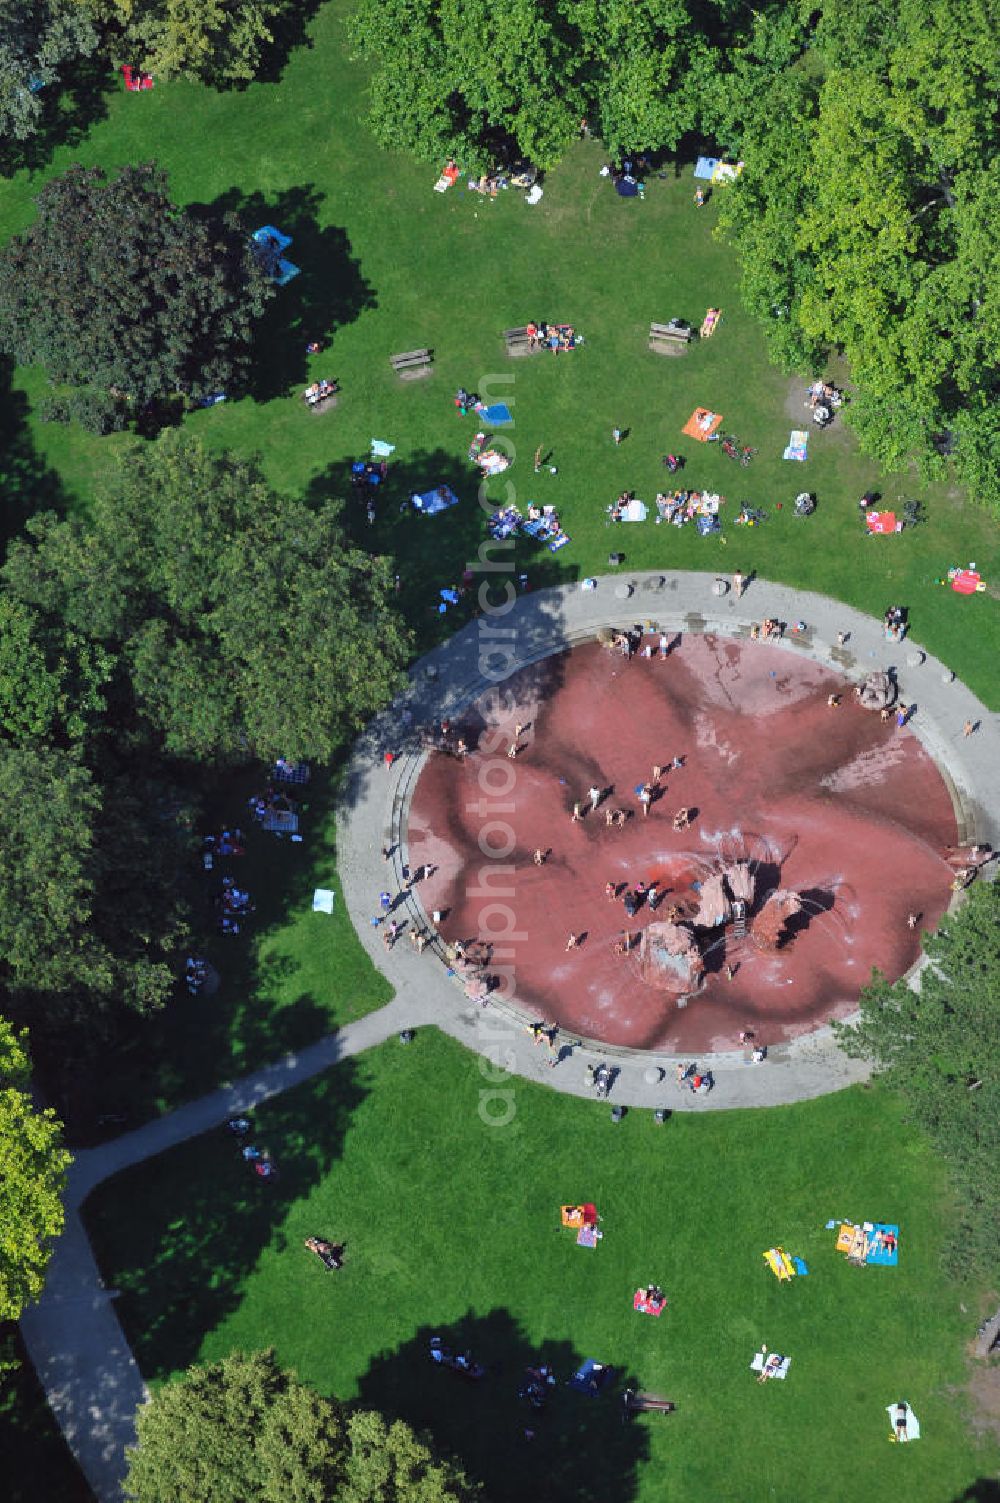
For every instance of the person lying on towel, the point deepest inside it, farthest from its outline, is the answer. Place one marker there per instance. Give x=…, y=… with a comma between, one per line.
x=331, y=1254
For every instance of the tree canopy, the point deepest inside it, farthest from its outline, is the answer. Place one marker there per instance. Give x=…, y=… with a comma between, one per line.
x=940, y=1047
x=36, y=37
x=86, y=922
x=243, y=622
x=217, y=41
x=243, y=1431
x=31, y=1185
x=864, y=222
x=114, y=288
x=483, y=83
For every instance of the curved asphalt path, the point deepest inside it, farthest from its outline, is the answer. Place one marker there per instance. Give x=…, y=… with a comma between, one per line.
x=73, y=1335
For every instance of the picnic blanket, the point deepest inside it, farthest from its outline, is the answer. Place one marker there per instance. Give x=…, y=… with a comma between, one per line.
x=588, y=1236
x=433, y=501
x=912, y=1423
x=280, y=822
x=560, y=542
x=635, y=511
x=965, y=581
x=577, y=1216
x=641, y=1303
x=777, y=1366
x=446, y=179
x=798, y=443
x=702, y=424
x=882, y=521
x=779, y=1263
x=714, y=170
x=883, y=1245
x=322, y=900
x=591, y=1377
x=498, y=414
x=381, y=449
x=492, y=463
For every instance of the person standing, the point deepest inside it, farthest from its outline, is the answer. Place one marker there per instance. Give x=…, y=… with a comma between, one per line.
x=538, y=460
x=739, y=584
x=645, y=798
x=617, y=435
x=594, y=795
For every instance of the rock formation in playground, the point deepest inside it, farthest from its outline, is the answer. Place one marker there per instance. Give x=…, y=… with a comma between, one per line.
x=769, y=928
x=668, y=958
x=877, y=691
x=713, y=905
x=740, y=881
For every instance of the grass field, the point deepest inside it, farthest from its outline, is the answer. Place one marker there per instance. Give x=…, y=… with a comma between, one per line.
x=452, y=1229
x=389, y=265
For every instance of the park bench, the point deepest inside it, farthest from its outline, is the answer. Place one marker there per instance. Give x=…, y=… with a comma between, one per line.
x=412, y=364
x=516, y=341
x=325, y=403
x=670, y=339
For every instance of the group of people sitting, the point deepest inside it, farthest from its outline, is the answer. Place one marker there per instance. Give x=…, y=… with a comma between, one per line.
x=617, y=511
x=459, y=1362
x=226, y=843
x=259, y=1159
x=895, y=623
x=234, y=903
x=556, y=337
x=319, y=391
x=679, y=507
x=195, y=974
x=823, y=398
x=652, y=1299
x=767, y=630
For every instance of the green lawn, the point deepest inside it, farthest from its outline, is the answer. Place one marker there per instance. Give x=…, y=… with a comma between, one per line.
x=452, y=1228
x=389, y=265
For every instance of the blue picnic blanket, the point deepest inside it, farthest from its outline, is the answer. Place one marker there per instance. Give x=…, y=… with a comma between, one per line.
x=433, y=501
x=498, y=414
x=705, y=166
x=878, y=1253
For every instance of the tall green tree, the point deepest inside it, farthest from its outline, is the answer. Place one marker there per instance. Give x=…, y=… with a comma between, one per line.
x=88, y=910
x=246, y=624
x=113, y=286
x=218, y=41
x=31, y=1184
x=244, y=1431
x=36, y=38
x=471, y=79
x=940, y=1047
x=865, y=222
x=51, y=680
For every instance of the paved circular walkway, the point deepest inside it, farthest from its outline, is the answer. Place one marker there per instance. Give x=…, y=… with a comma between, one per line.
x=491, y=648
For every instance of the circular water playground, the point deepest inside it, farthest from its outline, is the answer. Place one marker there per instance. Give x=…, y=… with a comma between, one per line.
x=698, y=837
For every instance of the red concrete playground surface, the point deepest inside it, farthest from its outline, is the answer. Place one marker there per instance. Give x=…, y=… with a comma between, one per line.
x=832, y=802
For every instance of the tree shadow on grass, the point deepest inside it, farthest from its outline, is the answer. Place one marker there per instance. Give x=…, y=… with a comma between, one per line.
x=985, y=1490
x=329, y=292
x=71, y=107
x=256, y=1016
x=27, y=484
x=581, y=1452
x=180, y=1234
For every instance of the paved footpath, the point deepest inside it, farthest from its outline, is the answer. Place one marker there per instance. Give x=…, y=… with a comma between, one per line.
x=73, y=1334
